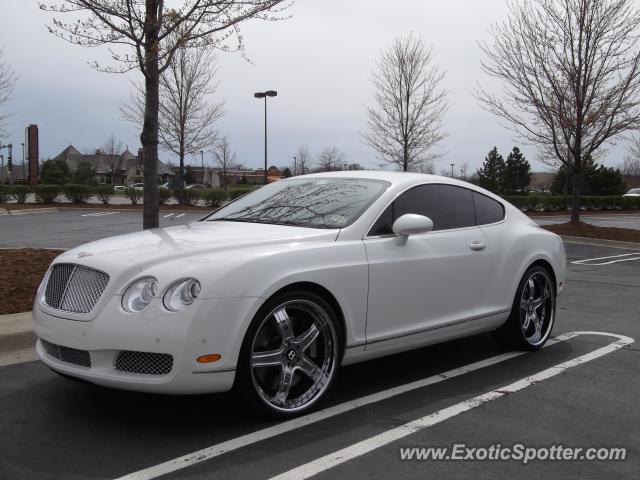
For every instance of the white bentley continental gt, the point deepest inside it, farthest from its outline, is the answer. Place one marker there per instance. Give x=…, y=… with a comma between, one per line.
x=274, y=292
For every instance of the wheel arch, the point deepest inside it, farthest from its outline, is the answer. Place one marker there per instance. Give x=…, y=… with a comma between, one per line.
x=326, y=295
x=547, y=266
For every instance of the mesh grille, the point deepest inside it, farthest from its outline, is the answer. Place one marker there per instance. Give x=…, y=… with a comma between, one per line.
x=74, y=288
x=144, y=363
x=67, y=354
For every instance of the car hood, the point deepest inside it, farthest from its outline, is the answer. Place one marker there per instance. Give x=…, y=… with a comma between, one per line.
x=149, y=247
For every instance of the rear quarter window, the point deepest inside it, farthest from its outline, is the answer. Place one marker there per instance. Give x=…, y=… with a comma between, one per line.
x=487, y=209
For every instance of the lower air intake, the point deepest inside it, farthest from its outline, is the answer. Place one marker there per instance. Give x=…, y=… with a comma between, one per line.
x=144, y=363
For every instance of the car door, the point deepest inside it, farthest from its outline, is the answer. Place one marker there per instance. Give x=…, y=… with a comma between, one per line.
x=425, y=281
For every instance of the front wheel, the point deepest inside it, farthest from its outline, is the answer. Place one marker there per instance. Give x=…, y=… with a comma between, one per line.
x=533, y=312
x=290, y=355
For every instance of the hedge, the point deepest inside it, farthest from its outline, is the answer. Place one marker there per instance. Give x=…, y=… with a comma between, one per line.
x=559, y=203
x=133, y=194
x=46, y=193
x=214, y=197
x=4, y=194
x=77, y=193
x=19, y=193
x=164, y=194
x=104, y=193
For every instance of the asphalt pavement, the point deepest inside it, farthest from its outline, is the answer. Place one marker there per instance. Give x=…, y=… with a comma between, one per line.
x=619, y=220
x=567, y=394
x=71, y=227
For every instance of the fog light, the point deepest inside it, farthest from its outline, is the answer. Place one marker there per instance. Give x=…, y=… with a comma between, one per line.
x=210, y=358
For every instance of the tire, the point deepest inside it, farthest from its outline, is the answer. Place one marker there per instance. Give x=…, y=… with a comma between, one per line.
x=533, y=311
x=290, y=355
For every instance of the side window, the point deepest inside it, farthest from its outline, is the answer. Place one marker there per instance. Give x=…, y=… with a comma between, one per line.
x=447, y=206
x=487, y=209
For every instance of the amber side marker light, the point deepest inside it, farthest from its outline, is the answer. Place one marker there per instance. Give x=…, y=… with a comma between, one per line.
x=212, y=357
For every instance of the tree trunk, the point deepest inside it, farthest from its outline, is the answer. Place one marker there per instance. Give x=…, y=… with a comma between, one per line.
x=149, y=135
x=181, y=179
x=575, y=199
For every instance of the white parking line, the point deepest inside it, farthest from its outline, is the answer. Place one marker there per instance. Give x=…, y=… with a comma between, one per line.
x=99, y=214
x=289, y=425
x=181, y=215
x=358, y=449
x=165, y=216
x=587, y=261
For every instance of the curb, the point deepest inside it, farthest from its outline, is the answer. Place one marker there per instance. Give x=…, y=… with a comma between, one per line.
x=596, y=242
x=16, y=332
x=26, y=211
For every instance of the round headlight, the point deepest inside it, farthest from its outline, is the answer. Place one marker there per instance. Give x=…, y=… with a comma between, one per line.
x=139, y=294
x=181, y=294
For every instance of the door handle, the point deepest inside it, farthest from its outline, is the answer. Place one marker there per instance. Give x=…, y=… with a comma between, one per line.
x=477, y=245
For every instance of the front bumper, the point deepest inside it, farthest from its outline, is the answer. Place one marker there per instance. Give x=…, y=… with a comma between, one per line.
x=207, y=327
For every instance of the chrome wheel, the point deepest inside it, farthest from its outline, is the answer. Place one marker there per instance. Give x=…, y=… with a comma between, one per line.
x=293, y=355
x=537, y=307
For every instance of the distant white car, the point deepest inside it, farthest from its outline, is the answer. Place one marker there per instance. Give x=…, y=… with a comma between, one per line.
x=119, y=188
x=195, y=186
x=276, y=290
x=634, y=192
x=138, y=186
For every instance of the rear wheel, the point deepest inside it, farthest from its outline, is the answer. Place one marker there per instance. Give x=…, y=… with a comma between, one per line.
x=291, y=353
x=533, y=312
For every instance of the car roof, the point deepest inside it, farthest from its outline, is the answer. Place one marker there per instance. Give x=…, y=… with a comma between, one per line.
x=395, y=178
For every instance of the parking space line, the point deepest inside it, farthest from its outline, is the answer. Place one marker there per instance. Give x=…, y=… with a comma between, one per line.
x=358, y=449
x=609, y=261
x=293, y=424
x=165, y=216
x=181, y=215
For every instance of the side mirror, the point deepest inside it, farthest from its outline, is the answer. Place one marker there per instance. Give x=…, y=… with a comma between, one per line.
x=412, y=224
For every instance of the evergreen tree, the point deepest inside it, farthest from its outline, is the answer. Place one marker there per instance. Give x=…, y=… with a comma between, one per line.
x=492, y=172
x=84, y=174
x=596, y=180
x=54, y=172
x=517, y=173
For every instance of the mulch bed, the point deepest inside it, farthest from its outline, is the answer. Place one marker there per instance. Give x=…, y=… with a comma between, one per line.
x=21, y=271
x=583, y=212
x=591, y=231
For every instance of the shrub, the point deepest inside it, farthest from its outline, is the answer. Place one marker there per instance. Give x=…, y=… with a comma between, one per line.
x=76, y=193
x=187, y=196
x=133, y=194
x=4, y=194
x=19, y=193
x=104, y=193
x=237, y=192
x=214, y=197
x=46, y=193
x=164, y=194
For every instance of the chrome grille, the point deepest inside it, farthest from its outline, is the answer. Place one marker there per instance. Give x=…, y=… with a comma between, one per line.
x=74, y=288
x=67, y=354
x=144, y=363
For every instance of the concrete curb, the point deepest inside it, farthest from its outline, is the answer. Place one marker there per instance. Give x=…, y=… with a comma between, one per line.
x=26, y=211
x=16, y=332
x=596, y=242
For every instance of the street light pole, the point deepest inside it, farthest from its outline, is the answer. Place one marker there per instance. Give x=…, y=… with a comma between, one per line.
x=452, y=165
x=202, y=162
x=295, y=166
x=268, y=93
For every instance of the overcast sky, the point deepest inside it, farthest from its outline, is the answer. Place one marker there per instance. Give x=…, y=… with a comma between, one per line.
x=319, y=61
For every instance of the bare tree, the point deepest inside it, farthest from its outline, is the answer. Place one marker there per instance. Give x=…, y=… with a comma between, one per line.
x=631, y=163
x=186, y=117
x=303, y=162
x=331, y=159
x=225, y=158
x=111, y=151
x=406, y=122
x=570, y=72
x=7, y=84
x=142, y=35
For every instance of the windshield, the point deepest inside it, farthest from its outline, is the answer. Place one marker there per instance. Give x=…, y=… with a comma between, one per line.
x=310, y=202
x=634, y=191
